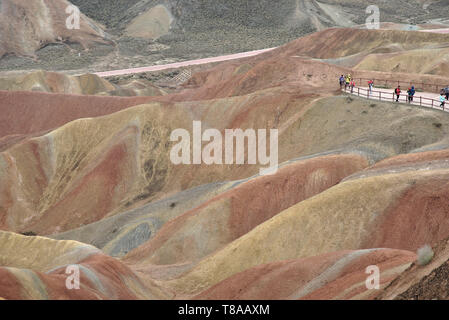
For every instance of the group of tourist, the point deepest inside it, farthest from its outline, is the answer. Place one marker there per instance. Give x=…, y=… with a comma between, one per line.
x=348, y=82
x=410, y=93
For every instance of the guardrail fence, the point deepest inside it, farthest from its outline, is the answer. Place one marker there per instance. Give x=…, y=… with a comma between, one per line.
x=421, y=86
x=392, y=97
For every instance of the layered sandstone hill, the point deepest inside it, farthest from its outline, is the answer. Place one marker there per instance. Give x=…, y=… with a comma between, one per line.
x=36, y=268
x=90, y=179
x=334, y=276
x=395, y=51
x=56, y=83
x=86, y=84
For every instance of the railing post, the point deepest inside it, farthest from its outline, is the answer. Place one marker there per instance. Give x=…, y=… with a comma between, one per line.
x=420, y=101
x=432, y=103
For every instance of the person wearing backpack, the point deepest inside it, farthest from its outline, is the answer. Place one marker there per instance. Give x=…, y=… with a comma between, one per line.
x=411, y=93
x=397, y=92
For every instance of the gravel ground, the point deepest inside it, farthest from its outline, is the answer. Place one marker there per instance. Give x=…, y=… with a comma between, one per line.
x=433, y=287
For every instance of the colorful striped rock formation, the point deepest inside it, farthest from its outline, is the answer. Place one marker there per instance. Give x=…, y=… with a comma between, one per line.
x=88, y=183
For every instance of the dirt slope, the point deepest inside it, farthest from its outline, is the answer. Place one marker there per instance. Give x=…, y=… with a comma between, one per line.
x=427, y=282
x=337, y=275
x=26, y=26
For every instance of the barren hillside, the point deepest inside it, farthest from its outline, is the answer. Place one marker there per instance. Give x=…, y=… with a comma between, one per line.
x=150, y=32
x=90, y=181
x=87, y=171
x=44, y=24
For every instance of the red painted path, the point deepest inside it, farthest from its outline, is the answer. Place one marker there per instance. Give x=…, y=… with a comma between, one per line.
x=182, y=64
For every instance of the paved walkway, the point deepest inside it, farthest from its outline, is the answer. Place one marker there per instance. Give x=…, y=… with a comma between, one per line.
x=387, y=95
x=182, y=64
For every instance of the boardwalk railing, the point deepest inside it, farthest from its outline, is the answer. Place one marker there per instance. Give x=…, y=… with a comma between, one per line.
x=425, y=87
x=392, y=97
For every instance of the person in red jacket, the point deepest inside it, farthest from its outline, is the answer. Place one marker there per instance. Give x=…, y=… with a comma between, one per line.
x=397, y=91
x=371, y=85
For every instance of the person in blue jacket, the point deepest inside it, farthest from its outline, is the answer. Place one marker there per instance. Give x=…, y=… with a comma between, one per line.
x=342, y=82
x=411, y=93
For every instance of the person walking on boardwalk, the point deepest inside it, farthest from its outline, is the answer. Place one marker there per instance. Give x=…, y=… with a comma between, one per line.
x=397, y=91
x=352, y=84
x=371, y=85
x=411, y=93
x=342, y=81
x=347, y=81
x=442, y=100
x=446, y=92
